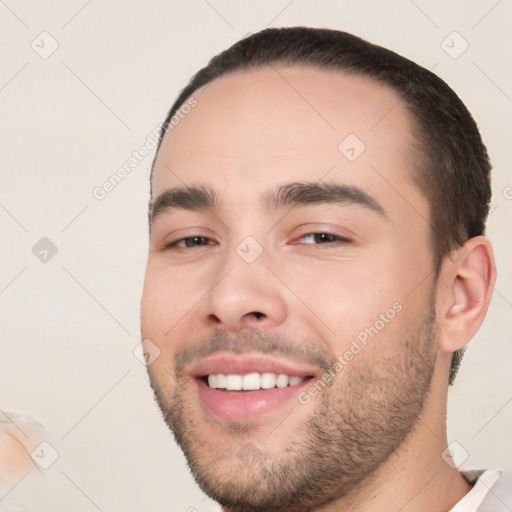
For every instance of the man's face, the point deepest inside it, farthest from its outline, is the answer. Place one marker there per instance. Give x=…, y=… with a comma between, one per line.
x=303, y=254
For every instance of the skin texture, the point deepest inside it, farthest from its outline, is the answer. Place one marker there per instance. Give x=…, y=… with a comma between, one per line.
x=361, y=443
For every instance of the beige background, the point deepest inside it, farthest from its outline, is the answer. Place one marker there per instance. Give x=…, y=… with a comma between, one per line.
x=68, y=121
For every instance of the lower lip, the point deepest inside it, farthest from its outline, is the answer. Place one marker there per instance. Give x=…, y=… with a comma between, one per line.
x=246, y=406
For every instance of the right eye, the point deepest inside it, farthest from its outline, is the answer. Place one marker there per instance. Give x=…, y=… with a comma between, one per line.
x=190, y=241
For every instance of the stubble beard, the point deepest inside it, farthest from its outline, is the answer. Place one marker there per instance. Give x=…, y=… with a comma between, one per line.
x=358, y=422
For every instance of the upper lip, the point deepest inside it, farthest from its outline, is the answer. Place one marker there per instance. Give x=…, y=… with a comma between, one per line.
x=242, y=364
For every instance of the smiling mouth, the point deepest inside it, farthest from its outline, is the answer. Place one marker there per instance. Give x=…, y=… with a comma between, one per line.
x=253, y=381
x=245, y=388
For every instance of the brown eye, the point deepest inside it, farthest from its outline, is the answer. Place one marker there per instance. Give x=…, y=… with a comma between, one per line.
x=322, y=239
x=195, y=241
x=190, y=241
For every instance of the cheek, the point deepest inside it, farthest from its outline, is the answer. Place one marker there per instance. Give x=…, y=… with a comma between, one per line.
x=344, y=296
x=340, y=301
x=171, y=299
x=166, y=298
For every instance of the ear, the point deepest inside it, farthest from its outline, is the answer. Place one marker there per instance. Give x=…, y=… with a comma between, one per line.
x=468, y=277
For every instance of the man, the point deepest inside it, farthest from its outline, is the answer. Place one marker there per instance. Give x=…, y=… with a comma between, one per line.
x=317, y=263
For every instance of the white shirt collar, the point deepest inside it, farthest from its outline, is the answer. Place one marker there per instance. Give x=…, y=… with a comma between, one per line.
x=474, y=498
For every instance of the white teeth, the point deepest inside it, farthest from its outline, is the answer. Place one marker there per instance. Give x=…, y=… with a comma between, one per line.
x=282, y=381
x=234, y=382
x=292, y=382
x=252, y=381
x=268, y=380
x=220, y=380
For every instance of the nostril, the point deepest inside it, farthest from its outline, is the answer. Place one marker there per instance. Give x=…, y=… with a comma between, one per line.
x=214, y=319
x=256, y=314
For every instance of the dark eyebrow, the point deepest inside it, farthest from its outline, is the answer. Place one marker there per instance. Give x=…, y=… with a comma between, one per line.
x=187, y=198
x=290, y=195
x=301, y=194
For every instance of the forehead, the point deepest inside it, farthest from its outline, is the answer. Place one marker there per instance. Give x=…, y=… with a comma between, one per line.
x=267, y=126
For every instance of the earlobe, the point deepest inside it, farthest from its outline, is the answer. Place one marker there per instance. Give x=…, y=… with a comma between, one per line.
x=470, y=282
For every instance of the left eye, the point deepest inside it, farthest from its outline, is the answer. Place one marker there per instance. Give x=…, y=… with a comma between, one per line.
x=322, y=239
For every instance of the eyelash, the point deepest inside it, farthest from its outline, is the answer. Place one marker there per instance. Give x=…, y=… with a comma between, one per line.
x=339, y=240
x=173, y=245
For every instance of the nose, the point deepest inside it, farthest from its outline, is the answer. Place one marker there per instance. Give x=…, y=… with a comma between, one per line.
x=247, y=295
